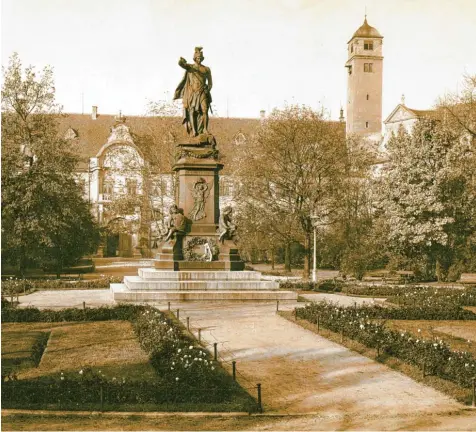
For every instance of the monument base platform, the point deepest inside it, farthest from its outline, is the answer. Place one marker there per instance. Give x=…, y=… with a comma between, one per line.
x=161, y=285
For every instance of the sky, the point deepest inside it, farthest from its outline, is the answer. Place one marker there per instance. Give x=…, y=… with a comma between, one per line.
x=120, y=54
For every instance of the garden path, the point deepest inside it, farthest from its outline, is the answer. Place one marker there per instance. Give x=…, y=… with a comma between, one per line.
x=302, y=372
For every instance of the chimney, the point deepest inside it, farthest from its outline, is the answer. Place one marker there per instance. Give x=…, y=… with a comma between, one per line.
x=262, y=114
x=94, y=114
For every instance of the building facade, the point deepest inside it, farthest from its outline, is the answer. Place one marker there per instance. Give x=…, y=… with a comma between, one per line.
x=128, y=193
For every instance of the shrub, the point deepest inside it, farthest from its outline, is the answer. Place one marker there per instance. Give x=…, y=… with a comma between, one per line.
x=104, y=313
x=327, y=285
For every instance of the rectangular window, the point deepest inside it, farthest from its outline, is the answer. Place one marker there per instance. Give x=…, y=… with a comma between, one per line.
x=352, y=48
x=368, y=45
x=131, y=187
x=366, y=124
x=367, y=96
x=350, y=69
x=368, y=67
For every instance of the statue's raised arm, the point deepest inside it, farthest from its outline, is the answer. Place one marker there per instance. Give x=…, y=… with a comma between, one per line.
x=194, y=90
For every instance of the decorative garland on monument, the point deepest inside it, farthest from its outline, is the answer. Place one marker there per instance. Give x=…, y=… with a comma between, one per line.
x=189, y=153
x=190, y=255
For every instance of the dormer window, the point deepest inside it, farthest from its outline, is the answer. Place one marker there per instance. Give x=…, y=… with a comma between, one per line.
x=368, y=45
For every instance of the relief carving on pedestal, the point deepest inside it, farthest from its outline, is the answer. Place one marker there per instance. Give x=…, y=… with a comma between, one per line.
x=200, y=192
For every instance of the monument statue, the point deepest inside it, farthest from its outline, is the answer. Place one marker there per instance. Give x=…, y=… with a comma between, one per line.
x=226, y=227
x=177, y=223
x=200, y=192
x=194, y=90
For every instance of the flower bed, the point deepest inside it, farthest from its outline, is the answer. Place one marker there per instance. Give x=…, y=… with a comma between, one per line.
x=434, y=356
x=410, y=294
x=187, y=378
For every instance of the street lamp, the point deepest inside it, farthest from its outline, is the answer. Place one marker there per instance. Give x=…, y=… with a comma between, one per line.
x=314, y=219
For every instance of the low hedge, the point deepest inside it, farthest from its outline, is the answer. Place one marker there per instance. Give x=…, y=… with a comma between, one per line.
x=328, y=285
x=18, y=286
x=104, y=313
x=434, y=356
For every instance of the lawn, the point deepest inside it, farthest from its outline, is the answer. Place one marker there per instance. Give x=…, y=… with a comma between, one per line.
x=18, y=346
x=110, y=346
x=459, y=335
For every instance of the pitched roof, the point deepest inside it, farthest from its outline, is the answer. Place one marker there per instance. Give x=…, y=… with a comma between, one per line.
x=412, y=113
x=93, y=134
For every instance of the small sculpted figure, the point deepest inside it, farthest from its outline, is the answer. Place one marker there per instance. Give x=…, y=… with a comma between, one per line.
x=200, y=191
x=177, y=222
x=226, y=227
x=194, y=90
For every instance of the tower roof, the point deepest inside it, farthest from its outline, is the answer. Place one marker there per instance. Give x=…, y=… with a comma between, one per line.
x=367, y=31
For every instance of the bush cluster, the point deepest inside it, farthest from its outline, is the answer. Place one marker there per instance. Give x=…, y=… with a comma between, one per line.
x=359, y=323
x=329, y=285
x=104, y=313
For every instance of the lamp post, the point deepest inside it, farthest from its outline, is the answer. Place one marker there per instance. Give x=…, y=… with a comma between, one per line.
x=314, y=269
x=314, y=254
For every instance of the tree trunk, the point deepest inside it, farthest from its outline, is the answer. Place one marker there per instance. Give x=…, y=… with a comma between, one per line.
x=287, y=257
x=307, y=259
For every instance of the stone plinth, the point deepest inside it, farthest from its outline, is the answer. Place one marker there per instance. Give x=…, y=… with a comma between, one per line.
x=158, y=285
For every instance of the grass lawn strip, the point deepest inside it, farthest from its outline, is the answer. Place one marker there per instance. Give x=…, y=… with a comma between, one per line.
x=18, y=348
x=459, y=335
x=110, y=346
x=447, y=387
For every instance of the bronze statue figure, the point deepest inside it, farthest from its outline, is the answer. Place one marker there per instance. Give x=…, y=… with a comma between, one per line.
x=177, y=223
x=226, y=227
x=194, y=90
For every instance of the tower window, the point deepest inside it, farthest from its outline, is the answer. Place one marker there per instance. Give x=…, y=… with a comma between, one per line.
x=366, y=124
x=367, y=96
x=351, y=48
x=368, y=67
x=368, y=45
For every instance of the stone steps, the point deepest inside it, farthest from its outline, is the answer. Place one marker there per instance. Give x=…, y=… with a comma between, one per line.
x=137, y=283
x=121, y=293
x=164, y=275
